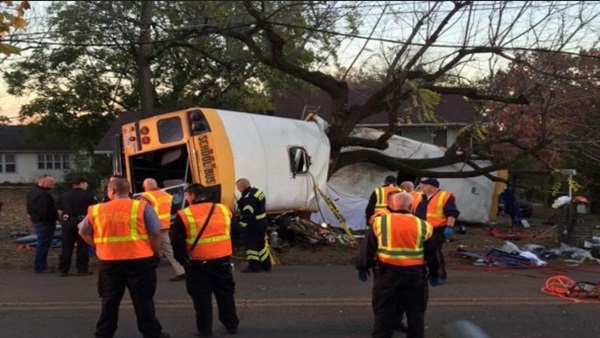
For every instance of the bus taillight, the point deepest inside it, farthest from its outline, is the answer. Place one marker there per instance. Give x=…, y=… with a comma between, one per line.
x=145, y=140
x=198, y=123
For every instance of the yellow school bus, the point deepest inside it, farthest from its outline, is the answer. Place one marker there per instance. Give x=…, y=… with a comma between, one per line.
x=283, y=157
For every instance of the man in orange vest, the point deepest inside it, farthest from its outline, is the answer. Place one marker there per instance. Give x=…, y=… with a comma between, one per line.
x=201, y=237
x=161, y=201
x=437, y=207
x=409, y=187
x=378, y=199
x=404, y=251
x=126, y=235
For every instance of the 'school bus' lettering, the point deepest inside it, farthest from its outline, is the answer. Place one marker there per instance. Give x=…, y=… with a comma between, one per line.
x=207, y=159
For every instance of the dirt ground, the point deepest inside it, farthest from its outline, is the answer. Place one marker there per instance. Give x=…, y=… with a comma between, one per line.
x=14, y=223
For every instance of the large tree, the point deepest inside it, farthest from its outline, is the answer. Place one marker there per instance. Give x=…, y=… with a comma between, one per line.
x=226, y=54
x=435, y=44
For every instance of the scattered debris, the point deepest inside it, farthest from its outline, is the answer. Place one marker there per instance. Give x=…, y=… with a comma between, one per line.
x=566, y=288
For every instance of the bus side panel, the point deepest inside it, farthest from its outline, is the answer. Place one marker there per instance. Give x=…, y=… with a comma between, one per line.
x=213, y=158
x=260, y=149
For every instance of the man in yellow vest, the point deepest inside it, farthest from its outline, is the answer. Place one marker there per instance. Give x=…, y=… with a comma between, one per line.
x=378, y=198
x=161, y=201
x=438, y=207
x=126, y=235
x=201, y=237
x=405, y=259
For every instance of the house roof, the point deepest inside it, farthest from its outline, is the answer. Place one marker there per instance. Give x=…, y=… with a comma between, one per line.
x=452, y=109
x=16, y=138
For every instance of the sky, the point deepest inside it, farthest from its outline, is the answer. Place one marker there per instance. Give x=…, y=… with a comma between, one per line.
x=378, y=33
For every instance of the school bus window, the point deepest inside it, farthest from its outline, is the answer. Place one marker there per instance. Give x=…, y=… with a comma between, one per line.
x=299, y=160
x=170, y=130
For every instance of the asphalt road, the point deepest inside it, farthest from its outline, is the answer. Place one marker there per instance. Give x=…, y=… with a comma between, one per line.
x=306, y=301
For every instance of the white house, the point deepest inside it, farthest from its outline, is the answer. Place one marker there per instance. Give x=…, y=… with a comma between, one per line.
x=22, y=161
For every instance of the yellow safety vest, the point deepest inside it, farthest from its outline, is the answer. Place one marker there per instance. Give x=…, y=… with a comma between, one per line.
x=161, y=202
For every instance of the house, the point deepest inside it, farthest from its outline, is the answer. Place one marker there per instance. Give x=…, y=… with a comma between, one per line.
x=23, y=161
x=453, y=113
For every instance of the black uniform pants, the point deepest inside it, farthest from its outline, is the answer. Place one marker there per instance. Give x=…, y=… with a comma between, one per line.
x=139, y=277
x=395, y=292
x=71, y=239
x=440, y=239
x=202, y=279
x=256, y=251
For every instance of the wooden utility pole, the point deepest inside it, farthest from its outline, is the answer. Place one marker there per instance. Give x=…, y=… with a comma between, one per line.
x=144, y=59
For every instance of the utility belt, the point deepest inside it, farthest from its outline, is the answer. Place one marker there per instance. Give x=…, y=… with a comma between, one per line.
x=67, y=217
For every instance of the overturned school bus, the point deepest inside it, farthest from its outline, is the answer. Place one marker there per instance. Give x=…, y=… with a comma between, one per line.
x=283, y=157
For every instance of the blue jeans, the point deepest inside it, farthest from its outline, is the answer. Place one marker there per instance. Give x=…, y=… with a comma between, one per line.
x=45, y=234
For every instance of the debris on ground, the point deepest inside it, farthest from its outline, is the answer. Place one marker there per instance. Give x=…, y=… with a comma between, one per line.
x=289, y=229
x=566, y=288
x=527, y=256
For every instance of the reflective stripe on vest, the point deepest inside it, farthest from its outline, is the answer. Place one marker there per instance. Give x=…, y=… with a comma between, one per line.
x=161, y=203
x=378, y=213
x=400, y=239
x=435, y=208
x=118, y=230
x=381, y=195
x=216, y=239
x=259, y=194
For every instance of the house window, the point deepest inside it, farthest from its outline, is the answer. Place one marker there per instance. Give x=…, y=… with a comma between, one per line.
x=82, y=159
x=8, y=163
x=53, y=161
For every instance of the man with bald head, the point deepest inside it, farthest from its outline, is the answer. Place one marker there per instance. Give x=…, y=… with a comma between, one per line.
x=400, y=250
x=162, y=202
x=126, y=235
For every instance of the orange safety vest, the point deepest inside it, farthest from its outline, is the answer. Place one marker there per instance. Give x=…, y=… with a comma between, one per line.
x=378, y=213
x=216, y=239
x=119, y=231
x=382, y=195
x=435, y=208
x=161, y=202
x=400, y=239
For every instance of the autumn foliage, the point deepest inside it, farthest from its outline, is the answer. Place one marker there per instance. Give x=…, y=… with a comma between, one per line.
x=561, y=121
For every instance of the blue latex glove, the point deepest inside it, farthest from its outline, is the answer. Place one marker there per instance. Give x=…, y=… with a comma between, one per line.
x=434, y=281
x=362, y=275
x=448, y=232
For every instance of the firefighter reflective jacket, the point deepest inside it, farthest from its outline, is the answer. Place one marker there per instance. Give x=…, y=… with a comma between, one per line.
x=161, y=202
x=435, y=208
x=252, y=206
x=400, y=239
x=119, y=230
x=215, y=241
